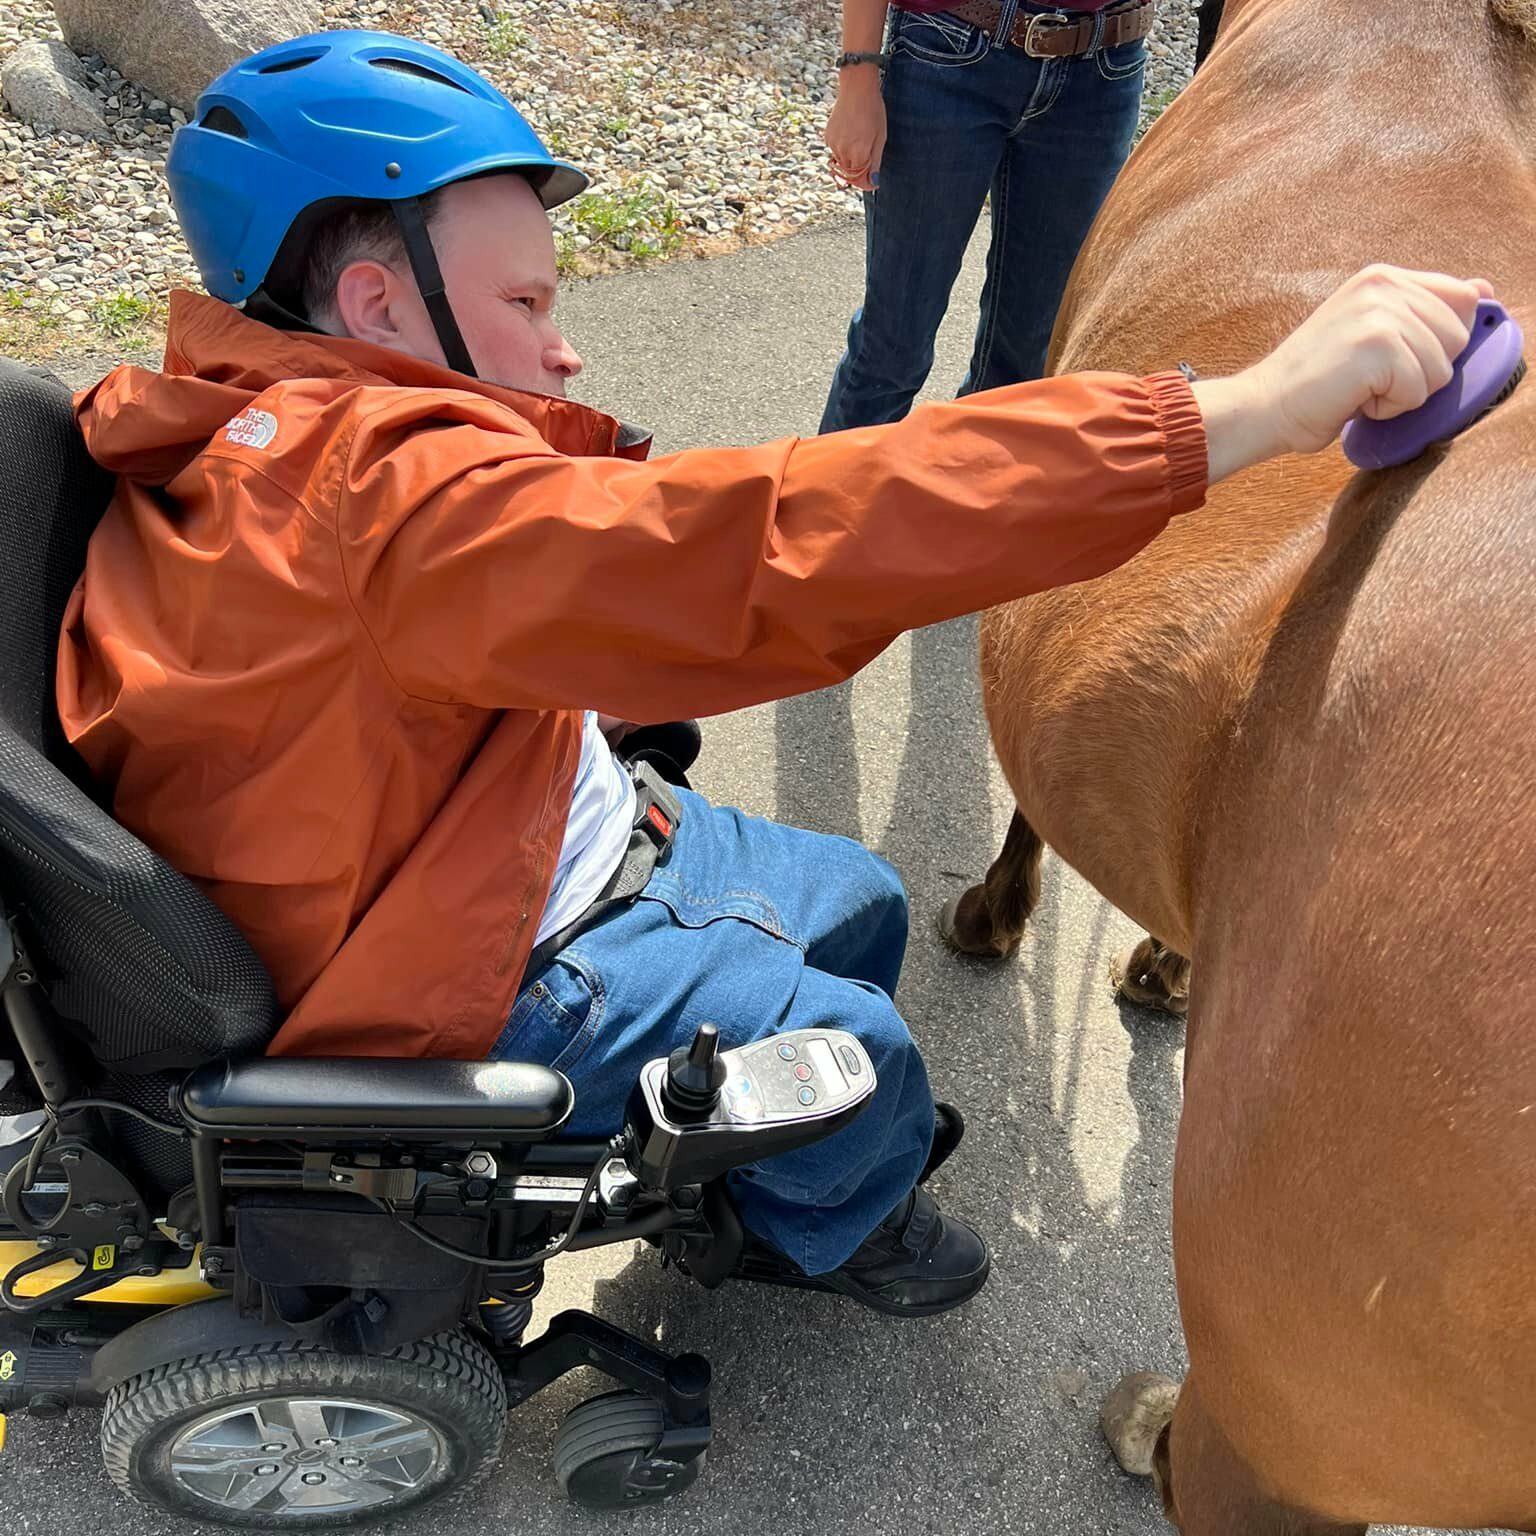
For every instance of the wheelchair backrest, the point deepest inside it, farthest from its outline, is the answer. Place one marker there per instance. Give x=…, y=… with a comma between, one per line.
x=142, y=965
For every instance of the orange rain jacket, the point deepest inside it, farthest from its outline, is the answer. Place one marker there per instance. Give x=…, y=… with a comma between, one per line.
x=337, y=627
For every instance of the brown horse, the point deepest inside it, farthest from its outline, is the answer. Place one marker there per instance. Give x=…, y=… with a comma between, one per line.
x=1296, y=740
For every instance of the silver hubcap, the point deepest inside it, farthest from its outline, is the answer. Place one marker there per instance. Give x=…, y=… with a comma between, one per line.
x=305, y=1455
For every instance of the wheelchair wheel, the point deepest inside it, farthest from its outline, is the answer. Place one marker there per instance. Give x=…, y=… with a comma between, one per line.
x=288, y=1437
x=604, y=1454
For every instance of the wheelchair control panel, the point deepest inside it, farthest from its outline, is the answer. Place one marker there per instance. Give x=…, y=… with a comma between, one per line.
x=701, y=1112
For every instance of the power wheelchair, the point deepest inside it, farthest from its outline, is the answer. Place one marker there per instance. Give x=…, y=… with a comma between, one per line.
x=301, y=1290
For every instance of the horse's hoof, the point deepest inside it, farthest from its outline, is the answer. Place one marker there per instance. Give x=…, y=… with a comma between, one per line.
x=1134, y=1415
x=948, y=923
x=1143, y=983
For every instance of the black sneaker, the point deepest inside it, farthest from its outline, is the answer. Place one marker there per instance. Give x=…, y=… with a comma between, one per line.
x=916, y=1263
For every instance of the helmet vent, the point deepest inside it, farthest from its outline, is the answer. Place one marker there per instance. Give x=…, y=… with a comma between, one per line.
x=222, y=120
x=411, y=67
x=282, y=66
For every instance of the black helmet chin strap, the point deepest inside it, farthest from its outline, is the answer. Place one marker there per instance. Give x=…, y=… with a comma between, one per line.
x=429, y=279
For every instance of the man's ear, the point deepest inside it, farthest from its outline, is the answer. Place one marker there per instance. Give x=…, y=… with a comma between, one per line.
x=368, y=303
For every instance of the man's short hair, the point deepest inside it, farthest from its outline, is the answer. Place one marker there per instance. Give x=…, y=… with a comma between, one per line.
x=356, y=232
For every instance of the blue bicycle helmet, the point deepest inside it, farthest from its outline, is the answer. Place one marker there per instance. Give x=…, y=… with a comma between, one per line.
x=310, y=125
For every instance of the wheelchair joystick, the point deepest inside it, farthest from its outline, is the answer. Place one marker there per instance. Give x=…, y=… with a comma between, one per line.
x=695, y=1076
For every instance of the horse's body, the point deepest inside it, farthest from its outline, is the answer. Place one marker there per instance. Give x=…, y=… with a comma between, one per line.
x=1296, y=740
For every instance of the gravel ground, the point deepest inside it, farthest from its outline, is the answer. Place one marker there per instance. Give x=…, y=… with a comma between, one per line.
x=701, y=125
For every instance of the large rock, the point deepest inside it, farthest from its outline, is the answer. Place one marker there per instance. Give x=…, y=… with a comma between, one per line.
x=176, y=47
x=44, y=83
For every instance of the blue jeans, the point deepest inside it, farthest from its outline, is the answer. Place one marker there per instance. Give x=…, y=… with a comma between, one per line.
x=1046, y=137
x=756, y=928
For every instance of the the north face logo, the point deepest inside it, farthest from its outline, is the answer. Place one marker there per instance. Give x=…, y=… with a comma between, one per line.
x=252, y=428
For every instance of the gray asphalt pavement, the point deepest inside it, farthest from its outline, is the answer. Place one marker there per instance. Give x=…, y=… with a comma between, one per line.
x=830, y=1419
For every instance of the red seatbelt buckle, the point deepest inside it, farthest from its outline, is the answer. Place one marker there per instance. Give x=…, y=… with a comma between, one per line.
x=658, y=819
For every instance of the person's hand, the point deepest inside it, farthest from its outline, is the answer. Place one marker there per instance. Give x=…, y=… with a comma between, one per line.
x=1382, y=344
x=856, y=129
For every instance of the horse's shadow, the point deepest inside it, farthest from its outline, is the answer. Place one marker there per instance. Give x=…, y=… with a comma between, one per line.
x=836, y=1418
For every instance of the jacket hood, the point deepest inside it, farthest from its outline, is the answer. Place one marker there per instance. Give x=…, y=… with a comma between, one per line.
x=148, y=426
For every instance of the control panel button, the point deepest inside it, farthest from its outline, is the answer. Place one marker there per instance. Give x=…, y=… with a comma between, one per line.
x=739, y=1087
x=851, y=1060
x=803, y=1072
x=787, y=1052
x=807, y=1096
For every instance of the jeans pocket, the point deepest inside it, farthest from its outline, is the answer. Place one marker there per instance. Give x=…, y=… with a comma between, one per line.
x=554, y=1020
x=1122, y=62
x=934, y=37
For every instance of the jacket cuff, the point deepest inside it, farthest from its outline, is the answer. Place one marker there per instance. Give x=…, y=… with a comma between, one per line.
x=1183, y=429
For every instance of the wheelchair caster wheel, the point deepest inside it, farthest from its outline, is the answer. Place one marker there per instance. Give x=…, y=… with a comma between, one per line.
x=605, y=1454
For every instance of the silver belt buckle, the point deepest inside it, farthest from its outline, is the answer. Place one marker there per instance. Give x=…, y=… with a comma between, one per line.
x=1059, y=17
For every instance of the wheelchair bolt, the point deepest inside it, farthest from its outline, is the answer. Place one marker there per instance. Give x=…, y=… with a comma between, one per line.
x=70, y=1155
x=186, y=1241
x=477, y=1189
x=351, y=1461
x=93, y=1208
x=274, y=1450
x=325, y=1440
x=132, y=1243
x=314, y=1479
x=45, y=1241
x=266, y=1470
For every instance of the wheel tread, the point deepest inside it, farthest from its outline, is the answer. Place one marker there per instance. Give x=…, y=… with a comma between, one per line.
x=449, y=1369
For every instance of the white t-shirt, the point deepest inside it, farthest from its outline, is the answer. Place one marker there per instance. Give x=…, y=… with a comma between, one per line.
x=596, y=831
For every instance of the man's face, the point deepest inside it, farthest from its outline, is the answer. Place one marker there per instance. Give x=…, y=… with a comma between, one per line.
x=497, y=255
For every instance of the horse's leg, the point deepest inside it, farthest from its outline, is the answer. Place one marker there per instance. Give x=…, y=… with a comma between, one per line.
x=1206, y=1488
x=989, y=918
x=1153, y=976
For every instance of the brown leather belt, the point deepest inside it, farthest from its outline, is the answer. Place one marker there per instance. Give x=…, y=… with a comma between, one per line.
x=1058, y=34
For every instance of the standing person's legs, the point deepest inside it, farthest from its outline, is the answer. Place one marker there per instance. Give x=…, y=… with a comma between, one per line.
x=734, y=928
x=1058, y=166
x=950, y=102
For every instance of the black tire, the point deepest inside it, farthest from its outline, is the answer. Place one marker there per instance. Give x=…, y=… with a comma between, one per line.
x=603, y=1454
x=448, y=1384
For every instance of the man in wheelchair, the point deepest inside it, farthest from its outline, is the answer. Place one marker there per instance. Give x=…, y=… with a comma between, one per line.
x=471, y=992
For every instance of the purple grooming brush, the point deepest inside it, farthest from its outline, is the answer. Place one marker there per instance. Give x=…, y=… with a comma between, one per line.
x=1486, y=373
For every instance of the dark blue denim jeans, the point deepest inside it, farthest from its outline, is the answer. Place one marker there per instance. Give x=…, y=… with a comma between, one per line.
x=756, y=928
x=1046, y=137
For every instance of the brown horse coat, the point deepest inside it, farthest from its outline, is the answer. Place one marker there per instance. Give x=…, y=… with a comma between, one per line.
x=1296, y=739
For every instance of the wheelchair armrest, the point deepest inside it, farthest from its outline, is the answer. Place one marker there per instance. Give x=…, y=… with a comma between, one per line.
x=312, y=1098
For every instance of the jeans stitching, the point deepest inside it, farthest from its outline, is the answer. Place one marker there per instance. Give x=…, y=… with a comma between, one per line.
x=773, y=925
x=1115, y=72
x=581, y=1041
x=969, y=37
x=995, y=295
x=1048, y=87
